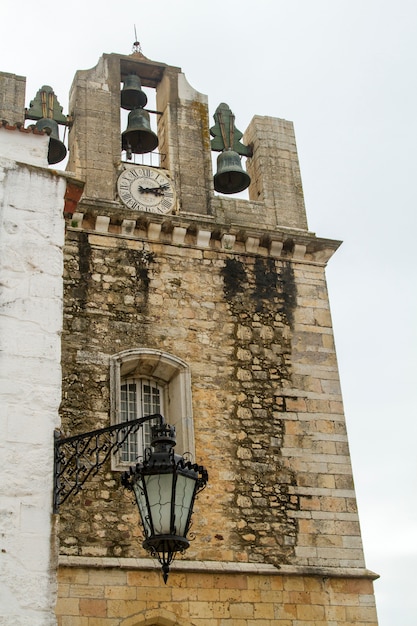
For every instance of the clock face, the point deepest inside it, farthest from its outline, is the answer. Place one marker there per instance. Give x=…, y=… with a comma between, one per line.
x=144, y=188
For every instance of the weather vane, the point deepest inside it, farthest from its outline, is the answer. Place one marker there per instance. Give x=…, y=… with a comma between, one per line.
x=136, y=44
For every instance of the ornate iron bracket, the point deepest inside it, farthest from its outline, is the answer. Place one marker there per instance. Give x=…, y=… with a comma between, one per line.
x=80, y=457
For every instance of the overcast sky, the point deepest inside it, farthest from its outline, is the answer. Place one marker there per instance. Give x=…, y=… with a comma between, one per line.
x=344, y=71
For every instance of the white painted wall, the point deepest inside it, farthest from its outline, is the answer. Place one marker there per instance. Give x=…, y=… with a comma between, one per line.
x=24, y=147
x=31, y=240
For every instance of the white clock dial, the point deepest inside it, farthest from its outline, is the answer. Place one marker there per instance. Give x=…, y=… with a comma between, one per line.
x=145, y=188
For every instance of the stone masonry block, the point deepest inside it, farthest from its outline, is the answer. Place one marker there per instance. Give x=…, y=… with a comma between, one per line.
x=252, y=244
x=102, y=223
x=228, y=241
x=276, y=248
x=178, y=235
x=128, y=227
x=203, y=238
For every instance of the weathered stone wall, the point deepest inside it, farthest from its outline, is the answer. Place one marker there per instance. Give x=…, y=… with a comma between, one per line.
x=256, y=332
x=315, y=444
x=12, y=98
x=275, y=171
x=192, y=304
x=94, y=140
x=183, y=131
x=128, y=597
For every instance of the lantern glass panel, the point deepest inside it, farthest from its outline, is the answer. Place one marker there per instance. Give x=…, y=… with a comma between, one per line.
x=159, y=490
x=184, y=495
x=143, y=509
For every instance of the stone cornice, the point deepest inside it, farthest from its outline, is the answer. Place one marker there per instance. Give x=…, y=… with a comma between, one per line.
x=201, y=231
x=224, y=567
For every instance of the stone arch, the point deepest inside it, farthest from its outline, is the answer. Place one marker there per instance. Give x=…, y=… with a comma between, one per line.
x=155, y=617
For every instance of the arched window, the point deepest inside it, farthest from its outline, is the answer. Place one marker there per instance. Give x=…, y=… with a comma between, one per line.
x=143, y=382
x=139, y=397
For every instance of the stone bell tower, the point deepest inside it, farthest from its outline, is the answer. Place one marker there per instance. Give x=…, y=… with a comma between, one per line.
x=183, y=130
x=212, y=310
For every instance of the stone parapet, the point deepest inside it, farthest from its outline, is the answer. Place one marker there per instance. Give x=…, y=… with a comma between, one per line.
x=203, y=232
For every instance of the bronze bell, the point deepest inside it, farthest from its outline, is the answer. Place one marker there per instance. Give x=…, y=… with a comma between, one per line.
x=57, y=150
x=230, y=176
x=132, y=96
x=138, y=136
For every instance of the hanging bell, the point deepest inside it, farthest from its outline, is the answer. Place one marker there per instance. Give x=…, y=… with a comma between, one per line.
x=230, y=176
x=57, y=150
x=138, y=136
x=132, y=96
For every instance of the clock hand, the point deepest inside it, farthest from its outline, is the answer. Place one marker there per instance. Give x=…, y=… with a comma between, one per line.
x=157, y=191
x=148, y=189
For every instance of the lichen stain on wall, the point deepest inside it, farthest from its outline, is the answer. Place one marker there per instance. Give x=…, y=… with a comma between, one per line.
x=261, y=295
x=200, y=113
x=80, y=286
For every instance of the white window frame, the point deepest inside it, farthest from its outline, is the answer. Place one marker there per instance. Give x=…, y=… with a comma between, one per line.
x=173, y=375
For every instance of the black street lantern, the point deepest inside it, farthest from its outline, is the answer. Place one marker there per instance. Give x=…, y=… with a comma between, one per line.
x=164, y=483
x=165, y=487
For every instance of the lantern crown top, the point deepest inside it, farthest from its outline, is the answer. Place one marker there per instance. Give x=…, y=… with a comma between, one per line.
x=163, y=435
